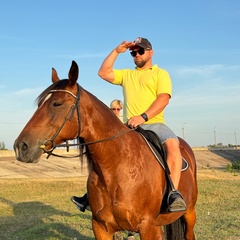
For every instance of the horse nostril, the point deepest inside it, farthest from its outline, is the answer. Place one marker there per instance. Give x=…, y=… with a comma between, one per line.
x=23, y=147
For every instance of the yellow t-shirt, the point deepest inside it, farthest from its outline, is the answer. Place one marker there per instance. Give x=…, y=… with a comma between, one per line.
x=140, y=90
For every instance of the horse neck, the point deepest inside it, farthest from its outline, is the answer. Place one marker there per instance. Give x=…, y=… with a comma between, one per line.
x=98, y=124
x=97, y=121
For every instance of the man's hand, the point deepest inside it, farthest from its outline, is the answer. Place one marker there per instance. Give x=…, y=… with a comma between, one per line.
x=136, y=121
x=124, y=46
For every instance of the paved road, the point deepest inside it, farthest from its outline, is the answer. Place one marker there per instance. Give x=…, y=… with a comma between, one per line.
x=61, y=167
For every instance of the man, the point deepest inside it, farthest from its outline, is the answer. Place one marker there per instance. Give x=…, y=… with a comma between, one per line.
x=147, y=90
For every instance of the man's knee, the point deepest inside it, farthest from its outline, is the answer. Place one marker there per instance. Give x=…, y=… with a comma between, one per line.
x=172, y=145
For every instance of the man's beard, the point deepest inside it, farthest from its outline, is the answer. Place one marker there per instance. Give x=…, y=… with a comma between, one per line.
x=140, y=64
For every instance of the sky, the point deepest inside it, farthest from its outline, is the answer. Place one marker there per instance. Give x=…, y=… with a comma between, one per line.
x=197, y=42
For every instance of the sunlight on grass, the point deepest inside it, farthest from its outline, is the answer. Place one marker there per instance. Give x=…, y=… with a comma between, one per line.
x=41, y=208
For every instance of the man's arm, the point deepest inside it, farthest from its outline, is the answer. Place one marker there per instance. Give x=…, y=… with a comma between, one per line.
x=106, y=70
x=156, y=107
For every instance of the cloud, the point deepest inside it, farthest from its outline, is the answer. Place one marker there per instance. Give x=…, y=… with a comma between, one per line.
x=80, y=56
x=5, y=37
x=28, y=91
x=205, y=70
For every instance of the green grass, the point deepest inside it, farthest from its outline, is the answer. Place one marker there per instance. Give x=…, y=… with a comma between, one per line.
x=41, y=209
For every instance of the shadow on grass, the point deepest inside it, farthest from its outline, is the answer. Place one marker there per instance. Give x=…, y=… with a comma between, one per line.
x=35, y=220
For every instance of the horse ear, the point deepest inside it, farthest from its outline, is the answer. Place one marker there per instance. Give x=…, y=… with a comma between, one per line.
x=55, y=77
x=73, y=73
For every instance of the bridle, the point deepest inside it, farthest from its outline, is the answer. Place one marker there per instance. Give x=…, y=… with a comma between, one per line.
x=69, y=116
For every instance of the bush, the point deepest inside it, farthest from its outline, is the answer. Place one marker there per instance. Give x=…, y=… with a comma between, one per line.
x=234, y=166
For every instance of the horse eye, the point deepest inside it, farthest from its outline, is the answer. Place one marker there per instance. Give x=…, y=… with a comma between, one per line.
x=56, y=104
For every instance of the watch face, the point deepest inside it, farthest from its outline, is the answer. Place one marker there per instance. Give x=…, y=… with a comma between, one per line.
x=145, y=117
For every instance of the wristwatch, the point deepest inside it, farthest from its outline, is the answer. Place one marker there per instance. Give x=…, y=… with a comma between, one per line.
x=144, y=116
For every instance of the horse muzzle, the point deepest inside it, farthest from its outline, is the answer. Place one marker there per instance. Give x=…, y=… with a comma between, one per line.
x=26, y=154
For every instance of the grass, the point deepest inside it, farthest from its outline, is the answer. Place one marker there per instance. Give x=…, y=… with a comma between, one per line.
x=40, y=209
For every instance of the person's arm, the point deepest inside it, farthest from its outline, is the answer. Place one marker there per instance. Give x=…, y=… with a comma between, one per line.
x=106, y=69
x=156, y=107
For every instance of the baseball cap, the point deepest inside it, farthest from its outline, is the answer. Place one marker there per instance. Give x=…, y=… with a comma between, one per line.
x=142, y=42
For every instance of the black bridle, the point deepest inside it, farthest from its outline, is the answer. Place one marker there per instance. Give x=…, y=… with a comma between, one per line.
x=69, y=116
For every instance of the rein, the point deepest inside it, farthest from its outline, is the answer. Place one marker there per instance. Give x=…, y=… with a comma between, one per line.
x=69, y=117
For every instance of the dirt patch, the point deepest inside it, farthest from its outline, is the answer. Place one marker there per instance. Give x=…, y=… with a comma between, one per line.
x=216, y=158
x=55, y=167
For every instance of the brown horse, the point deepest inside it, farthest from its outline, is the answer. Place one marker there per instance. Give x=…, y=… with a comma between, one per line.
x=126, y=183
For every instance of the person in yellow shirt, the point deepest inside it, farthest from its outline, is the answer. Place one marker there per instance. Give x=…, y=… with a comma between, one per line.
x=147, y=90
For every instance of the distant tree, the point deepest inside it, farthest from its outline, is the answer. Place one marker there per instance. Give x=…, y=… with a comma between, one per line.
x=219, y=145
x=2, y=146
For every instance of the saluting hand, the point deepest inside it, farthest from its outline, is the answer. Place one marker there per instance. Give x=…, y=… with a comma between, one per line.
x=124, y=46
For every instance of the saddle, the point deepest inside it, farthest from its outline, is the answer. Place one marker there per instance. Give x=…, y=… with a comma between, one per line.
x=157, y=148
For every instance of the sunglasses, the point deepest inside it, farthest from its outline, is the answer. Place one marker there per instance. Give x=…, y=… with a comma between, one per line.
x=114, y=109
x=140, y=51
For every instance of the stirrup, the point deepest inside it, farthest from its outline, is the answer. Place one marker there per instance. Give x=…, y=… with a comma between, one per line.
x=176, y=203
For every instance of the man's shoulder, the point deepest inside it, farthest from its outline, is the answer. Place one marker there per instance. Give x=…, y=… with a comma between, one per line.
x=157, y=68
x=160, y=71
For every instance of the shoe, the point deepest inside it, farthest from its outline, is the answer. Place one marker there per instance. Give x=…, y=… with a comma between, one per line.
x=176, y=202
x=81, y=202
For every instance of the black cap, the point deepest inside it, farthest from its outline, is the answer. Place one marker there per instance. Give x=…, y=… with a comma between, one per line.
x=143, y=43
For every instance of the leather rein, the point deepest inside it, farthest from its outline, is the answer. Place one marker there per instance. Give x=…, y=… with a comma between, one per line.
x=69, y=117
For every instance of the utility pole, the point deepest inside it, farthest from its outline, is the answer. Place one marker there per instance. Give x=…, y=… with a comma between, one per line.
x=183, y=131
x=215, y=137
x=235, y=135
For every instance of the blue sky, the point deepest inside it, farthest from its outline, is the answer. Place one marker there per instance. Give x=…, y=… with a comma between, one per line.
x=197, y=42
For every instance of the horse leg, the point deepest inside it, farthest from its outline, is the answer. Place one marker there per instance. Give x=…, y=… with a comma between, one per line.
x=100, y=232
x=190, y=220
x=118, y=236
x=151, y=231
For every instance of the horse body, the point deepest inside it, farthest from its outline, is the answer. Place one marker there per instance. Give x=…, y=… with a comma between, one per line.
x=126, y=184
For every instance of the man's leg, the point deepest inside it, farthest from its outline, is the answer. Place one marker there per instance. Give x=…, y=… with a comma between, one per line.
x=174, y=161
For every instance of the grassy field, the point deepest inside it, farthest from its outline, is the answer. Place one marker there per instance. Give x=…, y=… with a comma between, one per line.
x=40, y=209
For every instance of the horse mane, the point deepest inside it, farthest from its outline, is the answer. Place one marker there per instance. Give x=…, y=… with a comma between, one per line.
x=59, y=85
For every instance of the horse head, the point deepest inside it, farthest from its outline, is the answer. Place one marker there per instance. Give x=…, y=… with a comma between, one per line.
x=47, y=127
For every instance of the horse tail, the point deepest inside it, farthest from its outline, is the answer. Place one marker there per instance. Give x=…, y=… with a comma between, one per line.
x=175, y=230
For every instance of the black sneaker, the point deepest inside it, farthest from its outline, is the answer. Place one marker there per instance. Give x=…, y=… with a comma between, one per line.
x=176, y=202
x=81, y=202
